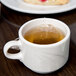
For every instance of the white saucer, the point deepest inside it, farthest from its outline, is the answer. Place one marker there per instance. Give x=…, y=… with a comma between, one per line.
x=21, y=6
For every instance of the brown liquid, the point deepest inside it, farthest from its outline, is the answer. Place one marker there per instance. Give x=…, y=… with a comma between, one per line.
x=45, y=34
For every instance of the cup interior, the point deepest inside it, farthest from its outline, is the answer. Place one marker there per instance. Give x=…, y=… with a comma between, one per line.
x=34, y=23
x=37, y=22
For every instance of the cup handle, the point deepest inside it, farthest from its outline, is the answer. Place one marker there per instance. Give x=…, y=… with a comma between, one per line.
x=9, y=45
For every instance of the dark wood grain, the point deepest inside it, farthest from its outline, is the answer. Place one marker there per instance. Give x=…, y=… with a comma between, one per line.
x=11, y=21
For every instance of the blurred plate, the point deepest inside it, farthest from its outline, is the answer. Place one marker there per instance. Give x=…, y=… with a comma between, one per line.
x=21, y=6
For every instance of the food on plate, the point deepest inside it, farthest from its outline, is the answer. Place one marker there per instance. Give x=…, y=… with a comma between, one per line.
x=47, y=2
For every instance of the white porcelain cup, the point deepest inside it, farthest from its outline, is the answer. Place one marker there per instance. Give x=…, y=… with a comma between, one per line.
x=41, y=58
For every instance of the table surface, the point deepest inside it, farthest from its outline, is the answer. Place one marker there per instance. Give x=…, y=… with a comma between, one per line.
x=10, y=22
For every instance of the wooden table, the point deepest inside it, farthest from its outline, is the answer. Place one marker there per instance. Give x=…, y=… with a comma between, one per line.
x=11, y=21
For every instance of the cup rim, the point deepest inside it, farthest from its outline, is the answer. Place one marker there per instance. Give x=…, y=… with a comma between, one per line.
x=47, y=45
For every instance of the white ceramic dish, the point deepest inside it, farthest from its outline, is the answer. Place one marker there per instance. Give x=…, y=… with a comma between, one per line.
x=21, y=6
x=40, y=58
